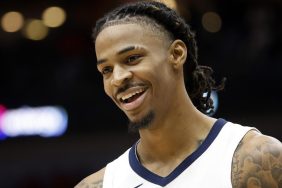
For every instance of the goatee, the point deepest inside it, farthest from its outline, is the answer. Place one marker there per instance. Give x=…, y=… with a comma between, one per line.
x=135, y=126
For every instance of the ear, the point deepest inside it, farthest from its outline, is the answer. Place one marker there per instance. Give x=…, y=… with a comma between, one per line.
x=178, y=53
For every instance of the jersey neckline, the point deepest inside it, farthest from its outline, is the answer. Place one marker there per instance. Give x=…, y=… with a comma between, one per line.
x=162, y=181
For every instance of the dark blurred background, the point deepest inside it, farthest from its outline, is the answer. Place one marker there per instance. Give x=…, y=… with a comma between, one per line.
x=241, y=40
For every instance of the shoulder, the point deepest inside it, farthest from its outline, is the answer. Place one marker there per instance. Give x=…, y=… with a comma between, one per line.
x=257, y=162
x=92, y=181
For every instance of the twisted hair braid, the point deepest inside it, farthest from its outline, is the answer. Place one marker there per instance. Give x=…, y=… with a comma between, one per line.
x=198, y=79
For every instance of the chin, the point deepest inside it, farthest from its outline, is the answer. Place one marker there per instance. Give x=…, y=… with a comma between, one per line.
x=135, y=125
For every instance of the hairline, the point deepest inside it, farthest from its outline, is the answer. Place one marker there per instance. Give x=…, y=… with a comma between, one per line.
x=152, y=25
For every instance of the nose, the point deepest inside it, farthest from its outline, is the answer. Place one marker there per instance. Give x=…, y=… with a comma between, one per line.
x=120, y=75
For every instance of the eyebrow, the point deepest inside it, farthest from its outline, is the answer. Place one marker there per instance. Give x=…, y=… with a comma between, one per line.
x=101, y=61
x=124, y=50
x=129, y=48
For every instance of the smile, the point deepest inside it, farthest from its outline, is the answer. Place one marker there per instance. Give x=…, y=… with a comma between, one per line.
x=132, y=98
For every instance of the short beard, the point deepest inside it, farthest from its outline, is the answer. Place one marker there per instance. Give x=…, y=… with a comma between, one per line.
x=134, y=127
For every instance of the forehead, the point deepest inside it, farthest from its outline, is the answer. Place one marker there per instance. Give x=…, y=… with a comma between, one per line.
x=128, y=34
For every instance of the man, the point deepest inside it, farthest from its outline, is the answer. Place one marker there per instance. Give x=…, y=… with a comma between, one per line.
x=141, y=50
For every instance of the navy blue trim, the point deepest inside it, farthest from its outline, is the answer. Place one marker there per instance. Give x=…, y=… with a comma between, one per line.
x=163, y=181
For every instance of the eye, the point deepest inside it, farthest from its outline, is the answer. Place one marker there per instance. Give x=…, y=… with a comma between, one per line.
x=107, y=70
x=133, y=58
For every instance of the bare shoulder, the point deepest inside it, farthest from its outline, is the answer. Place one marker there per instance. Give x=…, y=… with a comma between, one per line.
x=92, y=181
x=257, y=162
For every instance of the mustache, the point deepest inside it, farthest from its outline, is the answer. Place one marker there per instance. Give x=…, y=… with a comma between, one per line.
x=127, y=86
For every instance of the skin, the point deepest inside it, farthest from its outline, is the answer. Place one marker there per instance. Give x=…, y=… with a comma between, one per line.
x=257, y=162
x=156, y=64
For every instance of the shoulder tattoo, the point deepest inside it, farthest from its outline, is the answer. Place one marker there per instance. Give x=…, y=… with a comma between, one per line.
x=257, y=166
x=96, y=184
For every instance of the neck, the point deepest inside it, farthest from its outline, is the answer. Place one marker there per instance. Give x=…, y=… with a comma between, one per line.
x=175, y=136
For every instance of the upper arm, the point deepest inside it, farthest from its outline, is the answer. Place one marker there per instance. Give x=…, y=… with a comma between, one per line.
x=92, y=181
x=257, y=162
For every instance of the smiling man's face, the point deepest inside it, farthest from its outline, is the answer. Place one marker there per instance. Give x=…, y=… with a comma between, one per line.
x=137, y=75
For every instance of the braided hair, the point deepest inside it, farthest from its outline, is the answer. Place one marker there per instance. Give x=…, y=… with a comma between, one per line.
x=198, y=79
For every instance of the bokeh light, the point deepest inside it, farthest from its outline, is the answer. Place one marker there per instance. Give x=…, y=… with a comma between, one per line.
x=211, y=21
x=12, y=21
x=54, y=16
x=170, y=3
x=215, y=99
x=46, y=121
x=35, y=30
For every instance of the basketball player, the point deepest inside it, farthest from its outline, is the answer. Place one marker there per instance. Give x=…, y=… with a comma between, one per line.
x=141, y=51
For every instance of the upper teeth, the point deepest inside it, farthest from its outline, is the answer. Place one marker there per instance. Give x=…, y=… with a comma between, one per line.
x=132, y=94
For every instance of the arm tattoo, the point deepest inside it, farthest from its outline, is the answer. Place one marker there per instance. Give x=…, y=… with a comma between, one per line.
x=96, y=184
x=257, y=167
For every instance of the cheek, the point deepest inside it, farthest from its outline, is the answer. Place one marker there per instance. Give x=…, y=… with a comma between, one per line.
x=164, y=82
x=107, y=88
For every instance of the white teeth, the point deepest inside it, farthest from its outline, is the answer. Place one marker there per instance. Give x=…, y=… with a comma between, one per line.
x=132, y=94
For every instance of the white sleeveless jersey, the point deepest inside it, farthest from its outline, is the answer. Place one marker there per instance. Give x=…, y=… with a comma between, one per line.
x=207, y=167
